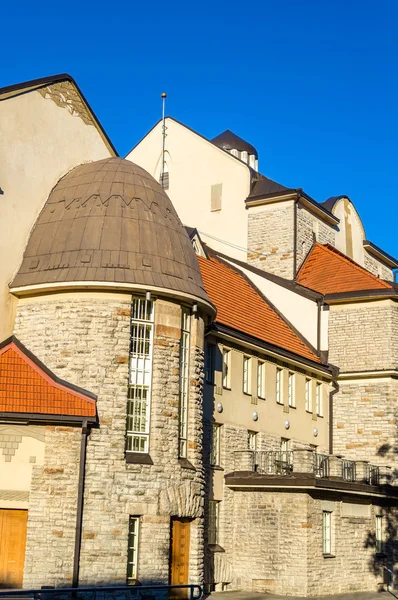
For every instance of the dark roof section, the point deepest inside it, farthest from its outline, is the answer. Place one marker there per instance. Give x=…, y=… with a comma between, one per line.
x=110, y=221
x=265, y=187
x=380, y=254
x=330, y=202
x=227, y=140
x=13, y=90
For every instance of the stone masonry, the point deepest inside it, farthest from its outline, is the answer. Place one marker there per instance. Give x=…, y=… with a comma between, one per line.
x=85, y=340
x=309, y=229
x=270, y=238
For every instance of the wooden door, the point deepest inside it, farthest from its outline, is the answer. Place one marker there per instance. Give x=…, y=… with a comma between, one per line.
x=180, y=536
x=12, y=547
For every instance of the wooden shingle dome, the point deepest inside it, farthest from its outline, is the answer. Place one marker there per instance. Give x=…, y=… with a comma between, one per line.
x=109, y=222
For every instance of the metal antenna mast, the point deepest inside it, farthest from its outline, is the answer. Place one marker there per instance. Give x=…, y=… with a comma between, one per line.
x=163, y=96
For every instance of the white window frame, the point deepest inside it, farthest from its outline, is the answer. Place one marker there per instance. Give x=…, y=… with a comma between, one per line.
x=185, y=347
x=261, y=379
x=291, y=389
x=308, y=394
x=379, y=534
x=247, y=375
x=215, y=444
x=319, y=398
x=279, y=385
x=326, y=532
x=133, y=546
x=252, y=438
x=140, y=375
x=226, y=368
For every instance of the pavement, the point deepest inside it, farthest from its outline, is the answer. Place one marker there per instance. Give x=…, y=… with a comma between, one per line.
x=382, y=595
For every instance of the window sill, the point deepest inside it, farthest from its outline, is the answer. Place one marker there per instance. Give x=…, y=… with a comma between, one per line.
x=138, y=458
x=226, y=388
x=215, y=548
x=279, y=403
x=247, y=394
x=261, y=398
x=319, y=416
x=216, y=468
x=309, y=412
x=293, y=407
x=329, y=556
x=185, y=464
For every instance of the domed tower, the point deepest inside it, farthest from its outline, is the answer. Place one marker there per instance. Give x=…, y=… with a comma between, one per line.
x=111, y=299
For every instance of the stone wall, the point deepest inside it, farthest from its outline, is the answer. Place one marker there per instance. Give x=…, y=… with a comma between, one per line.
x=278, y=543
x=365, y=420
x=377, y=268
x=52, y=510
x=270, y=238
x=85, y=340
x=309, y=229
x=364, y=336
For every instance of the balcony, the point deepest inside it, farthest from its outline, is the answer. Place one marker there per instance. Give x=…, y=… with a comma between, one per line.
x=310, y=463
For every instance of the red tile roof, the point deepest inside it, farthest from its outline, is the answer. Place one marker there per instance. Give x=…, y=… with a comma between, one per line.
x=328, y=271
x=26, y=386
x=241, y=307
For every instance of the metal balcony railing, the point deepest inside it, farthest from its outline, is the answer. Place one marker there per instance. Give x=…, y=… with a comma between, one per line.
x=321, y=465
x=274, y=462
x=348, y=470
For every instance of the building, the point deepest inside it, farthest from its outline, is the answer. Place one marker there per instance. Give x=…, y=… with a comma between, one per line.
x=174, y=408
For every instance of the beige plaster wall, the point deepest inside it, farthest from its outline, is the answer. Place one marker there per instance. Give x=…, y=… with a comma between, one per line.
x=21, y=449
x=350, y=233
x=40, y=142
x=194, y=165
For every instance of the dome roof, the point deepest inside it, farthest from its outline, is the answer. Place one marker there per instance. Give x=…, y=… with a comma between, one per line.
x=110, y=221
x=227, y=140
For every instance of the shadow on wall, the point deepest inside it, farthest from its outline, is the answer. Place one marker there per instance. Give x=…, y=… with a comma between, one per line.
x=383, y=563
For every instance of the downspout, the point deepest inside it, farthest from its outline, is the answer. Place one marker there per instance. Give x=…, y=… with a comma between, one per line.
x=295, y=239
x=79, y=513
x=331, y=399
x=319, y=303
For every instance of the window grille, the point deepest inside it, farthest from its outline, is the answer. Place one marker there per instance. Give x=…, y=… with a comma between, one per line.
x=140, y=376
x=132, y=556
x=260, y=379
x=184, y=381
x=213, y=522
x=326, y=532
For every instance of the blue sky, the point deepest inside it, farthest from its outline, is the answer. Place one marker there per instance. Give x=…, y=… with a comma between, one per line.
x=313, y=84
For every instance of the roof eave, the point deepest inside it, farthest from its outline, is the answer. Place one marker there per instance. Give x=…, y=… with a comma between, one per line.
x=380, y=254
x=361, y=295
x=272, y=349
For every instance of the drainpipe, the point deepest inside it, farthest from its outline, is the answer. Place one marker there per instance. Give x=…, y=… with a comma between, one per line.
x=332, y=393
x=295, y=239
x=79, y=514
x=319, y=303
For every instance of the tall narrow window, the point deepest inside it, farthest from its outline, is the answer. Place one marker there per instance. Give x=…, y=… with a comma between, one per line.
x=247, y=379
x=308, y=395
x=291, y=390
x=184, y=381
x=261, y=379
x=213, y=529
x=140, y=377
x=215, y=445
x=132, y=556
x=326, y=532
x=379, y=534
x=209, y=364
x=252, y=440
x=279, y=396
x=226, y=368
x=319, y=399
